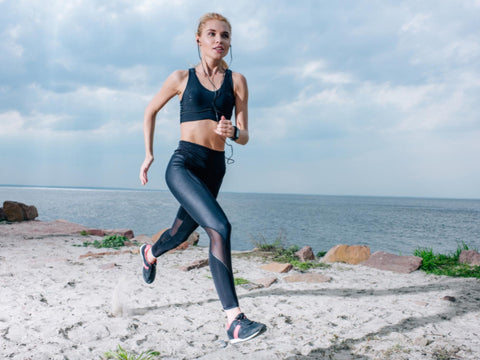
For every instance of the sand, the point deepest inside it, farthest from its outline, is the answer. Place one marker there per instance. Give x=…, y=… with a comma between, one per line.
x=56, y=304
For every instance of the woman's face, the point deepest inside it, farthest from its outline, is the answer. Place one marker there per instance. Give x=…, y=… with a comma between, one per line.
x=214, y=41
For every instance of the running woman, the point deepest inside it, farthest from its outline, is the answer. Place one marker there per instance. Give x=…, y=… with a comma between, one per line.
x=208, y=93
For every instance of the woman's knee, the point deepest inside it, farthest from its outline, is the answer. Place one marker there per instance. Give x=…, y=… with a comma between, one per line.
x=223, y=228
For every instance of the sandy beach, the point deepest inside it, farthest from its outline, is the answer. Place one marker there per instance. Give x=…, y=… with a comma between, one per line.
x=57, y=303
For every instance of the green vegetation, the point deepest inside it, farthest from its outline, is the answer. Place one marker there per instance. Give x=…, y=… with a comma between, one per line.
x=278, y=252
x=263, y=245
x=121, y=354
x=112, y=241
x=240, y=281
x=83, y=233
x=441, y=264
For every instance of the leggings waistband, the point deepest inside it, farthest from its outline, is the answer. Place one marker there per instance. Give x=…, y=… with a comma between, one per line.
x=189, y=146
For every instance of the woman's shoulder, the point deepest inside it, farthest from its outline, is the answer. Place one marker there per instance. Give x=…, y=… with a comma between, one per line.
x=238, y=80
x=176, y=80
x=179, y=75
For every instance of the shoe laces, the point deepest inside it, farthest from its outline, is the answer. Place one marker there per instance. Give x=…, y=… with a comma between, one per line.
x=243, y=319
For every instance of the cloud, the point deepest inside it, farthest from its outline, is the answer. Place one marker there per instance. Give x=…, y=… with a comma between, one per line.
x=337, y=86
x=319, y=70
x=82, y=110
x=251, y=34
x=418, y=23
x=11, y=122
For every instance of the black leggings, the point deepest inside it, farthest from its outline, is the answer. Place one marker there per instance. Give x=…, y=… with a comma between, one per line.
x=194, y=175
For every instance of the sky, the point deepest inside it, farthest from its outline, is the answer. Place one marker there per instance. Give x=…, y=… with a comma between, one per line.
x=368, y=98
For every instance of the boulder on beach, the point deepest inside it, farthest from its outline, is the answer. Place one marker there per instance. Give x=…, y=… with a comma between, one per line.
x=305, y=254
x=278, y=267
x=16, y=211
x=350, y=254
x=401, y=264
x=469, y=257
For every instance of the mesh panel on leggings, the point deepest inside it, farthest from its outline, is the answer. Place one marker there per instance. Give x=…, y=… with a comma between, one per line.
x=176, y=225
x=221, y=267
x=219, y=248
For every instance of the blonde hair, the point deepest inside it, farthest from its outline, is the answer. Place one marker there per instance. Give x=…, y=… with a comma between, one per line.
x=213, y=16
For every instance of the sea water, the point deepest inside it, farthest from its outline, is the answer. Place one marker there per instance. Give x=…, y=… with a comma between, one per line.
x=392, y=224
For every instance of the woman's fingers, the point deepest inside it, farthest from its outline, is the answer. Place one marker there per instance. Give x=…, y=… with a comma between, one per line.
x=144, y=170
x=224, y=127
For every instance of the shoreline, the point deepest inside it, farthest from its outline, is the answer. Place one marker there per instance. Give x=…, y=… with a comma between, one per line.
x=57, y=304
x=396, y=226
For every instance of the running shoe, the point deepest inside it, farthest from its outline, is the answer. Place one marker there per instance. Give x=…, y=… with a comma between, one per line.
x=149, y=269
x=242, y=329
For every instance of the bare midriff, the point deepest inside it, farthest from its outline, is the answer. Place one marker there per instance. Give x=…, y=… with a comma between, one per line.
x=202, y=132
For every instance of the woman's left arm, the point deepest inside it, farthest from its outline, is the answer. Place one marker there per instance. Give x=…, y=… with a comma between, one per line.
x=240, y=90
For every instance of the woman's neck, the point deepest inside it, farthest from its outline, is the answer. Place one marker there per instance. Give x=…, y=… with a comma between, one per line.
x=211, y=68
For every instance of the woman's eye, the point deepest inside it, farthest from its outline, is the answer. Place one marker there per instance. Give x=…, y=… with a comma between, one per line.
x=226, y=36
x=211, y=34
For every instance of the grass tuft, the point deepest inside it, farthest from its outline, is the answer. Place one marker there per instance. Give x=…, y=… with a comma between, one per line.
x=122, y=354
x=280, y=253
x=240, y=281
x=112, y=241
x=446, y=264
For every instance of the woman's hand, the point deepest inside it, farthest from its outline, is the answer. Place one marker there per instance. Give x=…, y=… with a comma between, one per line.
x=144, y=169
x=225, y=128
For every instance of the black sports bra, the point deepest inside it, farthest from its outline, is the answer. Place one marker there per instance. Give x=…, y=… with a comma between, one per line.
x=199, y=103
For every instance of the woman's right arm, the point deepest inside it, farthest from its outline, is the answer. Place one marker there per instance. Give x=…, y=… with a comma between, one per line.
x=174, y=85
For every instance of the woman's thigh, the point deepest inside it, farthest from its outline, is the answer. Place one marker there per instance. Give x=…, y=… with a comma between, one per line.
x=195, y=196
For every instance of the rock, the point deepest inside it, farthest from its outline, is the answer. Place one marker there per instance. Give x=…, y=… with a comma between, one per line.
x=308, y=277
x=37, y=228
x=449, y=298
x=2, y=215
x=141, y=239
x=266, y=282
x=13, y=211
x=182, y=246
x=17, y=211
x=30, y=212
x=195, y=265
x=251, y=286
x=396, y=263
x=305, y=254
x=95, y=232
x=157, y=235
x=121, y=232
x=277, y=267
x=350, y=254
x=191, y=241
x=470, y=257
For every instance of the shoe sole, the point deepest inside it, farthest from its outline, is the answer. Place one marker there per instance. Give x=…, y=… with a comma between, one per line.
x=142, y=251
x=259, y=332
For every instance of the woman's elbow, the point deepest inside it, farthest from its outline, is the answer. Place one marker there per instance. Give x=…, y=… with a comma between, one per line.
x=150, y=113
x=243, y=140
